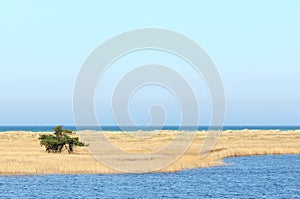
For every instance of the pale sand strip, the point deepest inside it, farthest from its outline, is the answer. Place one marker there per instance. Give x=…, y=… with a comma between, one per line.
x=20, y=152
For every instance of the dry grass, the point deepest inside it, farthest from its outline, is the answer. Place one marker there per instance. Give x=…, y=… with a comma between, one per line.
x=20, y=152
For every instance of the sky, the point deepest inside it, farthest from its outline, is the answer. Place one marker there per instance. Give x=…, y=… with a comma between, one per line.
x=255, y=46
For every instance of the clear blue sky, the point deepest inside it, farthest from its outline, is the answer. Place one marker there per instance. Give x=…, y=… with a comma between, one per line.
x=254, y=44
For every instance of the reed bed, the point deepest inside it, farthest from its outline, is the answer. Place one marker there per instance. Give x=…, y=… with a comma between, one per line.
x=21, y=153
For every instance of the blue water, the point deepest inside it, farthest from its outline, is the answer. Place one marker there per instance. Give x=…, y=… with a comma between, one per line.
x=115, y=128
x=243, y=177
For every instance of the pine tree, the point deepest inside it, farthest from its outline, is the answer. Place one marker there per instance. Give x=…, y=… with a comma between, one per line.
x=60, y=140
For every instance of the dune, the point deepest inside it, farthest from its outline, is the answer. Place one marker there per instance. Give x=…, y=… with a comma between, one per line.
x=21, y=153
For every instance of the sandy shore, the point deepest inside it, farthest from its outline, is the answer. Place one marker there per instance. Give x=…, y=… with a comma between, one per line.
x=21, y=153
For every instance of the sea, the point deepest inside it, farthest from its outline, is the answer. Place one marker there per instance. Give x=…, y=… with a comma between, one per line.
x=134, y=128
x=271, y=176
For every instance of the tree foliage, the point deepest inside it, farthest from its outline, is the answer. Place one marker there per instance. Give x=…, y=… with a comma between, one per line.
x=60, y=140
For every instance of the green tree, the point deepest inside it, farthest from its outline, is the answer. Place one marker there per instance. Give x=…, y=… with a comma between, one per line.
x=60, y=140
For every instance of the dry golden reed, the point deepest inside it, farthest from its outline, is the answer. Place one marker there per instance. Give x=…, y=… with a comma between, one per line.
x=21, y=153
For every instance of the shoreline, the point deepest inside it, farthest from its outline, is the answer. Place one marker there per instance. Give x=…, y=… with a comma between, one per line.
x=21, y=153
x=120, y=173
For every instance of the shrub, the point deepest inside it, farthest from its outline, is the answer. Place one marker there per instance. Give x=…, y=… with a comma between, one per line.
x=60, y=140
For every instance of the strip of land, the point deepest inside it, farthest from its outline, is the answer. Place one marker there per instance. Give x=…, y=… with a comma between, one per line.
x=21, y=153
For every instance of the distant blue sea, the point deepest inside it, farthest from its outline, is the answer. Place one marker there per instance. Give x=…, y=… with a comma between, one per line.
x=115, y=128
x=244, y=177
